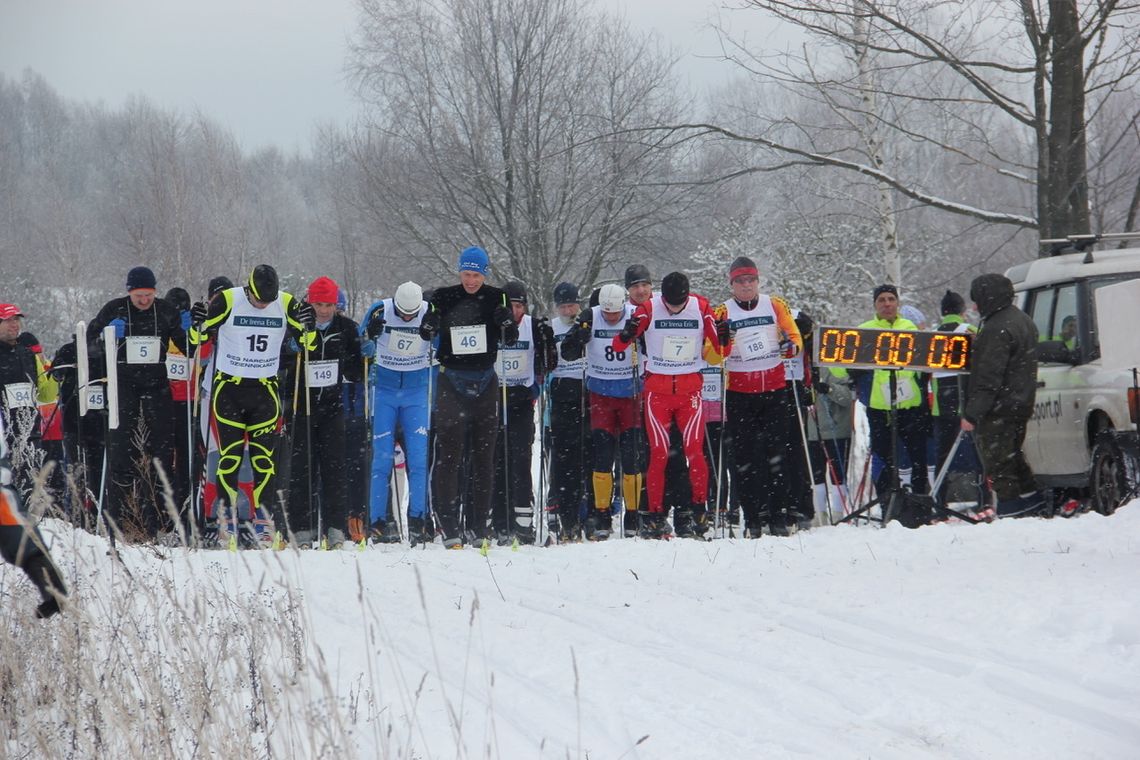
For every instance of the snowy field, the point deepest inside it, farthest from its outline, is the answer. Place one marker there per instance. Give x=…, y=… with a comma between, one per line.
x=1018, y=639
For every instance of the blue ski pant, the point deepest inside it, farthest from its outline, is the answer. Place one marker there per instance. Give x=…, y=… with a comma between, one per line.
x=409, y=408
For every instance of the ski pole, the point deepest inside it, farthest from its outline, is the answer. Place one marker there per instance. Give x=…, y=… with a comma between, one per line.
x=717, y=522
x=804, y=441
x=639, y=425
x=192, y=391
x=309, y=440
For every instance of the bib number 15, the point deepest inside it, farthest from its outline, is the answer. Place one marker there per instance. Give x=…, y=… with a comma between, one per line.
x=258, y=343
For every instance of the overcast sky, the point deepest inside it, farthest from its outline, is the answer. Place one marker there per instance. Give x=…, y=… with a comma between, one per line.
x=267, y=69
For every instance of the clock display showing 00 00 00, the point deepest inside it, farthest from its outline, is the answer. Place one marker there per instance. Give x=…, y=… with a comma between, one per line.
x=872, y=348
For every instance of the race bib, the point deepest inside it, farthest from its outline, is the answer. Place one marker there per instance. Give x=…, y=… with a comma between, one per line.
x=96, y=398
x=470, y=339
x=756, y=347
x=904, y=391
x=324, y=373
x=143, y=350
x=514, y=363
x=710, y=386
x=177, y=367
x=406, y=344
x=17, y=395
x=680, y=348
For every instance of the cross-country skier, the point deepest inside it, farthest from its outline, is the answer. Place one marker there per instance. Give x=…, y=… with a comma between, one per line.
x=144, y=327
x=472, y=320
x=615, y=409
x=19, y=380
x=400, y=384
x=676, y=326
x=569, y=418
x=249, y=324
x=318, y=432
x=520, y=367
x=758, y=399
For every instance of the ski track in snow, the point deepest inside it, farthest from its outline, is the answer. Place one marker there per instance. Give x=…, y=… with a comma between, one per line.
x=1019, y=639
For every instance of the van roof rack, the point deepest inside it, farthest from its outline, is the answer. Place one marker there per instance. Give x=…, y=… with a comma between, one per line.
x=1085, y=243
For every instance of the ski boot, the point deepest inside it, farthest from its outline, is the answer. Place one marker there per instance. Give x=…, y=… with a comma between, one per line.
x=598, y=525
x=335, y=538
x=418, y=531
x=43, y=573
x=385, y=532
x=655, y=526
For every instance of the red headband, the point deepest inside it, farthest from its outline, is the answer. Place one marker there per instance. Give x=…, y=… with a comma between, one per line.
x=740, y=271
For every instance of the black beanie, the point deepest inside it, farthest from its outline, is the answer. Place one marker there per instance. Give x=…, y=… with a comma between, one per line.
x=178, y=298
x=636, y=273
x=564, y=293
x=516, y=291
x=675, y=289
x=218, y=284
x=140, y=277
x=886, y=287
x=952, y=303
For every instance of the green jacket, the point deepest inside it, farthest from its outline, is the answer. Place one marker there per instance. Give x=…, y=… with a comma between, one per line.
x=909, y=392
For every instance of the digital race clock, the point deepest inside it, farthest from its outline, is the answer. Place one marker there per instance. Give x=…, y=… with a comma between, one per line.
x=874, y=348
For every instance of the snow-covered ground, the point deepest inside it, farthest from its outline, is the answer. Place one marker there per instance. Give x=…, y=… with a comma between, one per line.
x=1019, y=639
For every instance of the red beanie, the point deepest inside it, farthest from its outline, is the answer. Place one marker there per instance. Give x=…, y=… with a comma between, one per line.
x=322, y=290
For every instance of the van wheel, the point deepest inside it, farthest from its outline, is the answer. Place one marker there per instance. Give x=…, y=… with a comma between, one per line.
x=1110, y=476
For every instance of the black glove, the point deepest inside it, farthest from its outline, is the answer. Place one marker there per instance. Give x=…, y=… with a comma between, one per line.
x=503, y=316
x=723, y=333
x=629, y=332
x=430, y=324
x=822, y=388
x=574, y=344
x=198, y=312
x=306, y=316
x=545, y=331
x=375, y=323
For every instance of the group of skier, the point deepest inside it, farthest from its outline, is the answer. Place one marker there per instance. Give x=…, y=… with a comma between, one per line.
x=249, y=412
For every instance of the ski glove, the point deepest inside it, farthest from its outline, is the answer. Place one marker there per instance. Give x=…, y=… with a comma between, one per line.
x=430, y=324
x=375, y=323
x=503, y=317
x=306, y=316
x=723, y=332
x=823, y=388
x=199, y=311
x=629, y=332
x=184, y=316
x=120, y=327
x=368, y=349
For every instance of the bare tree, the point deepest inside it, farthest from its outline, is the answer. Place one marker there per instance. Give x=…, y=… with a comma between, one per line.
x=1003, y=89
x=500, y=123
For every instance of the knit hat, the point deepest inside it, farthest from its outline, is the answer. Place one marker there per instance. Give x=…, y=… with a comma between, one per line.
x=7, y=311
x=178, y=298
x=742, y=267
x=675, y=288
x=612, y=297
x=886, y=287
x=218, y=284
x=564, y=293
x=636, y=273
x=409, y=298
x=516, y=291
x=953, y=303
x=140, y=277
x=322, y=290
x=474, y=259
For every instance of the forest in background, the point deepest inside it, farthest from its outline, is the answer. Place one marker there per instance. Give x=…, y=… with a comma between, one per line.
x=905, y=143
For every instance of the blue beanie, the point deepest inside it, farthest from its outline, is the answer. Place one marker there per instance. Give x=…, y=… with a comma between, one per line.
x=140, y=277
x=474, y=259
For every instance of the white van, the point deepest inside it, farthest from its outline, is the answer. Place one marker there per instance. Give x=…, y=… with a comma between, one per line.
x=1083, y=434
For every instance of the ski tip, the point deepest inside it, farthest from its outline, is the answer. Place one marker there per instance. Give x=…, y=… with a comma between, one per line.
x=233, y=544
x=515, y=544
x=485, y=548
